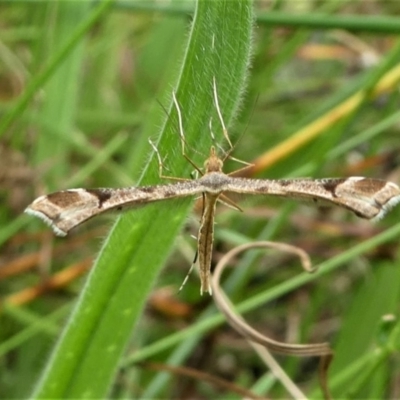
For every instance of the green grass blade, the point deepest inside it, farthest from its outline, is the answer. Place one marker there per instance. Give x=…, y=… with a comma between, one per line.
x=53, y=63
x=87, y=356
x=378, y=23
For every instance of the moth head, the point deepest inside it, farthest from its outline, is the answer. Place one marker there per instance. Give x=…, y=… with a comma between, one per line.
x=213, y=163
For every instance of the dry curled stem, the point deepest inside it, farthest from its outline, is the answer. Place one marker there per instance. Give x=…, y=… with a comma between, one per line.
x=240, y=325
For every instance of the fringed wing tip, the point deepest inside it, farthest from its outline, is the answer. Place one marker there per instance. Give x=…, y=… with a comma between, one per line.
x=46, y=220
x=387, y=207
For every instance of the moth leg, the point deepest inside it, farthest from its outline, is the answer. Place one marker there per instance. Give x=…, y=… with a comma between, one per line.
x=161, y=166
x=190, y=271
x=182, y=135
x=224, y=130
x=229, y=202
